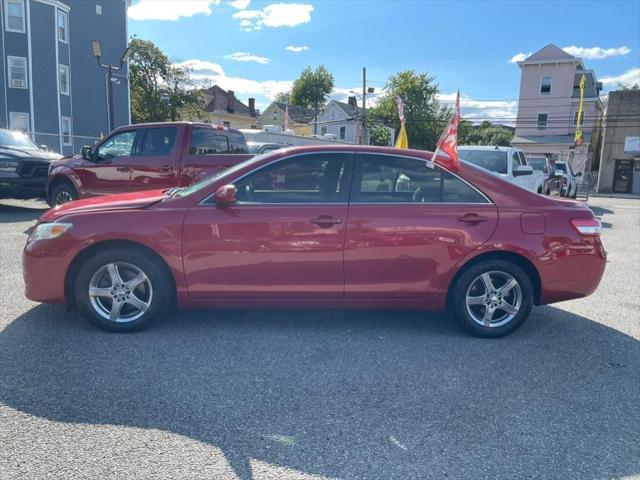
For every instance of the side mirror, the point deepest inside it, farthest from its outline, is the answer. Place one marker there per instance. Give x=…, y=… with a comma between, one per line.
x=44, y=147
x=225, y=195
x=523, y=170
x=86, y=152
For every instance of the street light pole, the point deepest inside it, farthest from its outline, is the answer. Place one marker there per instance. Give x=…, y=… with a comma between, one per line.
x=96, y=51
x=363, y=135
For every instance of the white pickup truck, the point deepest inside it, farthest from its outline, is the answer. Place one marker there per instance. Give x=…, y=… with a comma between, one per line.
x=507, y=162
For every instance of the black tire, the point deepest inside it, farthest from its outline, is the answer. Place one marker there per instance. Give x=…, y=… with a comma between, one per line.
x=458, y=297
x=159, y=295
x=62, y=191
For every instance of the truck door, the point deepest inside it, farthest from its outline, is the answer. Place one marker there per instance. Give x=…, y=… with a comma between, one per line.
x=154, y=165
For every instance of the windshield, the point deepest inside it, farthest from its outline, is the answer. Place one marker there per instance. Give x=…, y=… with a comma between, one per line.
x=183, y=192
x=15, y=139
x=536, y=163
x=492, y=160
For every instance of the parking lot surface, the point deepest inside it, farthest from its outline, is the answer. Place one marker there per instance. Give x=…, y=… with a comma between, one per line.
x=324, y=394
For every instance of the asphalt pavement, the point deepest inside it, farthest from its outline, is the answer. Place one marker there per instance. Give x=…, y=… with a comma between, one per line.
x=324, y=394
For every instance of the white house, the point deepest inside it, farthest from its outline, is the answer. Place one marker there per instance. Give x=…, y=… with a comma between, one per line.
x=344, y=121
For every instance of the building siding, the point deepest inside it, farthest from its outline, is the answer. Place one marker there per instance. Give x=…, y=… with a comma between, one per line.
x=86, y=104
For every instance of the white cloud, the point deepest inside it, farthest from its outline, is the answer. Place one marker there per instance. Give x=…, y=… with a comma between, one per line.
x=247, y=57
x=170, y=9
x=631, y=77
x=202, y=70
x=240, y=4
x=275, y=15
x=500, y=111
x=293, y=48
x=596, y=53
x=519, y=57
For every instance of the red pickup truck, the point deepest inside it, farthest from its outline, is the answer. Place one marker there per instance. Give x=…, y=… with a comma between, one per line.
x=146, y=156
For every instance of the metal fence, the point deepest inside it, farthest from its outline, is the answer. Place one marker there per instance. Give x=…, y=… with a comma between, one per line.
x=588, y=184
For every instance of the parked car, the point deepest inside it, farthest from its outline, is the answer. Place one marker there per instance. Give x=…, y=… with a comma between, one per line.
x=569, y=182
x=146, y=157
x=23, y=166
x=508, y=162
x=258, y=148
x=301, y=228
x=552, y=176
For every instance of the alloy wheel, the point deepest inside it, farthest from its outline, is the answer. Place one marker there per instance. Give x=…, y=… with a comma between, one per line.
x=120, y=292
x=493, y=299
x=63, y=197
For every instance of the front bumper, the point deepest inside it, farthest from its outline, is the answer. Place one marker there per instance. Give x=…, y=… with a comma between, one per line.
x=44, y=271
x=22, y=188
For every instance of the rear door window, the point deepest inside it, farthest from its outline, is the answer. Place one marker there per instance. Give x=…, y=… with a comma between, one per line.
x=158, y=142
x=207, y=141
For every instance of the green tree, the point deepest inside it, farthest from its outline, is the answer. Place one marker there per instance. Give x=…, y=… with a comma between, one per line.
x=378, y=135
x=154, y=79
x=425, y=116
x=484, y=134
x=282, y=97
x=635, y=86
x=311, y=88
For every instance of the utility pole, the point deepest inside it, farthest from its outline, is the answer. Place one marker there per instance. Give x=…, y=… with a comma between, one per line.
x=363, y=135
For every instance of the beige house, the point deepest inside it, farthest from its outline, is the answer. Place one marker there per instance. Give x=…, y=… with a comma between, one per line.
x=223, y=108
x=300, y=119
x=548, y=108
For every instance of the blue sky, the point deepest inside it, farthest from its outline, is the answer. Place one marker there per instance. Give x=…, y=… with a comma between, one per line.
x=466, y=45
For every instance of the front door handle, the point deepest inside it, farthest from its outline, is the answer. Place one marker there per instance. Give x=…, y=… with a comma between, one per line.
x=166, y=169
x=326, y=221
x=472, y=218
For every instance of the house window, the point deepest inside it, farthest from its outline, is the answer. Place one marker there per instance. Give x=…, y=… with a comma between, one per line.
x=575, y=119
x=63, y=29
x=545, y=86
x=542, y=121
x=323, y=131
x=64, y=79
x=14, y=21
x=17, y=67
x=343, y=133
x=226, y=124
x=66, y=130
x=98, y=9
x=19, y=121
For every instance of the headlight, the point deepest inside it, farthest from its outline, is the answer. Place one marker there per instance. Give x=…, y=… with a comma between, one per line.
x=8, y=165
x=48, y=231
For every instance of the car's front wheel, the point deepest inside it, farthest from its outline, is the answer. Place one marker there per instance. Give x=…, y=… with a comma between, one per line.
x=492, y=298
x=122, y=289
x=63, y=193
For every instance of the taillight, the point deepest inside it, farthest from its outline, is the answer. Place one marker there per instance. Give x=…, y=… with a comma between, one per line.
x=591, y=226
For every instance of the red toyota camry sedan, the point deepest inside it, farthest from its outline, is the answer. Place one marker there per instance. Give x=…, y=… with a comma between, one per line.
x=336, y=226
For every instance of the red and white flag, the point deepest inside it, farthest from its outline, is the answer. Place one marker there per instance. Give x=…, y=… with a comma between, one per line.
x=448, y=143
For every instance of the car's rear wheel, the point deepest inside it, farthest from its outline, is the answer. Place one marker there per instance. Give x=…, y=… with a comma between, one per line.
x=492, y=298
x=63, y=193
x=122, y=290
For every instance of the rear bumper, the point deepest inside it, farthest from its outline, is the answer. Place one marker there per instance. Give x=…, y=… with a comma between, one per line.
x=23, y=188
x=574, y=272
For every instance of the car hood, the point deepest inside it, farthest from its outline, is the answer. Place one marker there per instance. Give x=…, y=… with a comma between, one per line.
x=70, y=161
x=15, y=153
x=123, y=201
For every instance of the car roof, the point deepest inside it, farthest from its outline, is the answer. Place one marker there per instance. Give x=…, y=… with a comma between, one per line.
x=178, y=123
x=484, y=147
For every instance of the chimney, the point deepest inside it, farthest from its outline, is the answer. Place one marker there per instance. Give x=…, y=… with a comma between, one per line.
x=352, y=101
x=252, y=107
x=231, y=101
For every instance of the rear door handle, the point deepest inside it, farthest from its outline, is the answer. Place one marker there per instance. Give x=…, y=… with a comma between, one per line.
x=122, y=169
x=472, y=218
x=166, y=169
x=326, y=221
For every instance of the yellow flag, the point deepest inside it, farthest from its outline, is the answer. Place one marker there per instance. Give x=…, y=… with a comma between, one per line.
x=402, y=141
x=578, y=139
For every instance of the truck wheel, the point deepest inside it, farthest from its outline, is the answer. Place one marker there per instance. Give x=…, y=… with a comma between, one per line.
x=63, y=193
x=122, y=289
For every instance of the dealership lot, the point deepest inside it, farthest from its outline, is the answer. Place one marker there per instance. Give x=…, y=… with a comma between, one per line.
x=289, y=394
